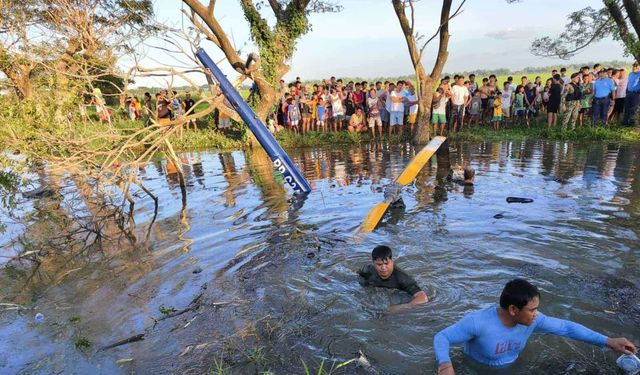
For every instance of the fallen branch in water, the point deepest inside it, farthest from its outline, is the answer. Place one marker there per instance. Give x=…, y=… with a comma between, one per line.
x=11, y=306
x=134, y=338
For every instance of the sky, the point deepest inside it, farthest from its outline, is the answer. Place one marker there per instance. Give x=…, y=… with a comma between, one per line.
x=365, y=38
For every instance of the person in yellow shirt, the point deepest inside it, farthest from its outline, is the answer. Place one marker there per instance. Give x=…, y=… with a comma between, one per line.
x=497, y=111
x=356, y=122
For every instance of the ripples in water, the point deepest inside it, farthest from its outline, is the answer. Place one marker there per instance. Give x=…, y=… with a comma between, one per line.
x=460, y=244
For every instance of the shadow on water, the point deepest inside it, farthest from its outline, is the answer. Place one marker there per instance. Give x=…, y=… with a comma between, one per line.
x=276, y=272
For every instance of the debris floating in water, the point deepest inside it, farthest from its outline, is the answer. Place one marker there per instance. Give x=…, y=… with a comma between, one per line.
x=39, y=318
x=519, y=200
x=629, y=363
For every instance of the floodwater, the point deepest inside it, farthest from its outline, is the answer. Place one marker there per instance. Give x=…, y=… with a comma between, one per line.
x=262, y=252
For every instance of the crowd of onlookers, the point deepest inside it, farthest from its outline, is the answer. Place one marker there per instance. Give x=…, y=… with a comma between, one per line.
x=589, y=97
x=333, y=105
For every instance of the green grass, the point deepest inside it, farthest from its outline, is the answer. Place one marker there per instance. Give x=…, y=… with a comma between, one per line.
x=613, y=133
x=292, y=140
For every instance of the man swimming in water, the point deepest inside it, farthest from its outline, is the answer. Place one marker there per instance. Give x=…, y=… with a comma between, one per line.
x=496, y=335
x=383, y=273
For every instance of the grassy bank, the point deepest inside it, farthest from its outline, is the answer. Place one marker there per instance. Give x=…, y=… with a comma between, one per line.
x=236, y=139
x=614, y=134
x=238, y=136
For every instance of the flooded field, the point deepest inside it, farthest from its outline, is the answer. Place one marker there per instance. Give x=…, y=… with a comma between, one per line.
x=274, y=275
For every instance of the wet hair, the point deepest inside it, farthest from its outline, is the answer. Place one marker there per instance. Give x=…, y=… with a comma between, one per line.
x=381, y=252
x=469, y=173
x=518, y=292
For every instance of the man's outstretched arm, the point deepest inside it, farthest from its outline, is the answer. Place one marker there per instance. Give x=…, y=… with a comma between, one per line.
x=462, y=331
x=572, y=330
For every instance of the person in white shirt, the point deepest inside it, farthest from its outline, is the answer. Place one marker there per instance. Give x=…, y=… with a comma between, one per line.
x=397, y=99
x=507, y=95
x=621, y=93
x=459, y=100
x=564, y=76
x=412, y=101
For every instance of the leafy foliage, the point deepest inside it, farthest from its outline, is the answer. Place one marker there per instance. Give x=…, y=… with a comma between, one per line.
x=278, y=43
x=589, y=25
x=585, y=26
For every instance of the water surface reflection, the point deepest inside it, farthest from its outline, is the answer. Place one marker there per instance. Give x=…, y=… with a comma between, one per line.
x=576, y=241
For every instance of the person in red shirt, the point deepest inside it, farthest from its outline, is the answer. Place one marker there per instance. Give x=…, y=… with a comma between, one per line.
x=358, y=97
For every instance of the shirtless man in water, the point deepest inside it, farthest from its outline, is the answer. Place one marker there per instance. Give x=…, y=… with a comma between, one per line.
x=383, y=273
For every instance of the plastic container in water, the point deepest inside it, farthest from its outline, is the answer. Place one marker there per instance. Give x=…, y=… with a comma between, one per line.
x=629, y=363
x=39, y=318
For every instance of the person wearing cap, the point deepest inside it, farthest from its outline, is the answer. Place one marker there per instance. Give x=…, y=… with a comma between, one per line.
x=633, y=96
x=572, y=98
x=603, y=88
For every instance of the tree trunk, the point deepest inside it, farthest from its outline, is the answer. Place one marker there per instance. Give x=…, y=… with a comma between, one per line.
x=425, y=96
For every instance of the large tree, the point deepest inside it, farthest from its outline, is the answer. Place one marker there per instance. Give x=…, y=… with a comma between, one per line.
x=619, y=19
x=425, y=82
x=65, y=38
x=276, y=44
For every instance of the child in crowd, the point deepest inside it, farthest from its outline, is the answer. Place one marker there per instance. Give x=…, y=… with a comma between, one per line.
x=293, y=114
x=519, y=106
x=373, y=114
x=320, y=113
x=412, y=102
x=497, y=110
x=439, y=112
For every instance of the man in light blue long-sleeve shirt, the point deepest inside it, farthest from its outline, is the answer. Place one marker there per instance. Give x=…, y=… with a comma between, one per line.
x=495, y=336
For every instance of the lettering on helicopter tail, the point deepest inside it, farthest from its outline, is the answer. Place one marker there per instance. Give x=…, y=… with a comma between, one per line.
x=288, y=178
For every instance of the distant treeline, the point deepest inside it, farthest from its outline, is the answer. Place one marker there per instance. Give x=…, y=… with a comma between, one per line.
x=478, y=72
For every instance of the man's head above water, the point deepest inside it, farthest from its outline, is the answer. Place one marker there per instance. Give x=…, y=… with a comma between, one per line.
x=520, y=300
x=382, y=258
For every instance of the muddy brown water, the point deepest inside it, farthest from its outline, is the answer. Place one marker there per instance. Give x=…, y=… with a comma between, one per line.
x=264, y=255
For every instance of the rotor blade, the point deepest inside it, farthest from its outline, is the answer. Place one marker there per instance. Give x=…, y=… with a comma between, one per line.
x=373, y=217
x=408, y=175
x=418, y=162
